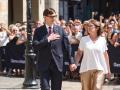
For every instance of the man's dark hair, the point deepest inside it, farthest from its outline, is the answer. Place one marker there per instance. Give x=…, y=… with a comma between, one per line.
x=48, y=11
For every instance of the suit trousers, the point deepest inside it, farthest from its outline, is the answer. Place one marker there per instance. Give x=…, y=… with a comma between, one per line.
x=51, y=74
x=92, y=80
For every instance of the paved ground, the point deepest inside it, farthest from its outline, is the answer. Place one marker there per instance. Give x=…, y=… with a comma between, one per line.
x=13, y=83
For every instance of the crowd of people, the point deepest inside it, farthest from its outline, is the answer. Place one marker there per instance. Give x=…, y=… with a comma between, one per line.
x=89, y=39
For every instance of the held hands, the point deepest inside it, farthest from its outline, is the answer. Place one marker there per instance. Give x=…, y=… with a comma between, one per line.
x=108, y=76
x=72, y=67
x=53, y=36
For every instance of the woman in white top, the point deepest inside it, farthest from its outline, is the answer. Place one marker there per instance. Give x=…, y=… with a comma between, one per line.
x=4, y=32
x=4, y=39
x=95, y=61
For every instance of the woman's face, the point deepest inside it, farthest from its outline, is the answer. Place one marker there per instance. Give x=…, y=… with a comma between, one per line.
x=15, y=30
x=92, y=29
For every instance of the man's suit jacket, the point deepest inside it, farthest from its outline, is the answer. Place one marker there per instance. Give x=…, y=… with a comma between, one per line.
x=53, y=50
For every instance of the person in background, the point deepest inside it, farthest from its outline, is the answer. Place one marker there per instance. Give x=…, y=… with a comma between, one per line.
x=95, y=61
x=114, y=55
x=4, y=39
x=16, y=50
x=49, y=41
x=38, y=24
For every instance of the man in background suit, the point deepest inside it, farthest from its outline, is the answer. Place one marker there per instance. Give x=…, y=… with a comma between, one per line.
x=49, y=41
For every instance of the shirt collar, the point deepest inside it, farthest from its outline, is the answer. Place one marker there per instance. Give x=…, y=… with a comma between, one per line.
x=49, y=26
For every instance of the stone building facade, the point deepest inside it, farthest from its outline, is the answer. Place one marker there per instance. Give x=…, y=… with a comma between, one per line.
x=12, y=11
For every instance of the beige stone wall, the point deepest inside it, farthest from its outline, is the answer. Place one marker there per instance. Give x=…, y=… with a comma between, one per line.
x=4, y=11
x=24, y=11
x=18, y=10
x=37, y=9
x=41, y=9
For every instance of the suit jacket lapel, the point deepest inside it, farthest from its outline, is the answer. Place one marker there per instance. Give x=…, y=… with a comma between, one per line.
x=55, y=29
x=45, y=29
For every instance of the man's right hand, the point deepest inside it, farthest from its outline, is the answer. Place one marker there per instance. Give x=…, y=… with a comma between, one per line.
x=53, y=36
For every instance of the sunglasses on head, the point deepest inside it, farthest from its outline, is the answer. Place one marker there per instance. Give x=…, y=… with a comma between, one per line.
x=52, y=16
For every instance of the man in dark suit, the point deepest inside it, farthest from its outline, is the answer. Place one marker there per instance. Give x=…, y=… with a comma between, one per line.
x=49, y=41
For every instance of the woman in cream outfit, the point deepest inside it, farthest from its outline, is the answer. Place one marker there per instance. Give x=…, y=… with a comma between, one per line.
x=95, y=61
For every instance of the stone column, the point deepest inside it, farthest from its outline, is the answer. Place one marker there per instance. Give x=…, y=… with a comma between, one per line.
x=37, y=9
x=52, y=4
x=24, y=11
x=4, y=11
x=41, y=9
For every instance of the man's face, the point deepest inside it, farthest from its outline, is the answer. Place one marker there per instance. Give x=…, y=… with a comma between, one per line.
x=50, y=18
